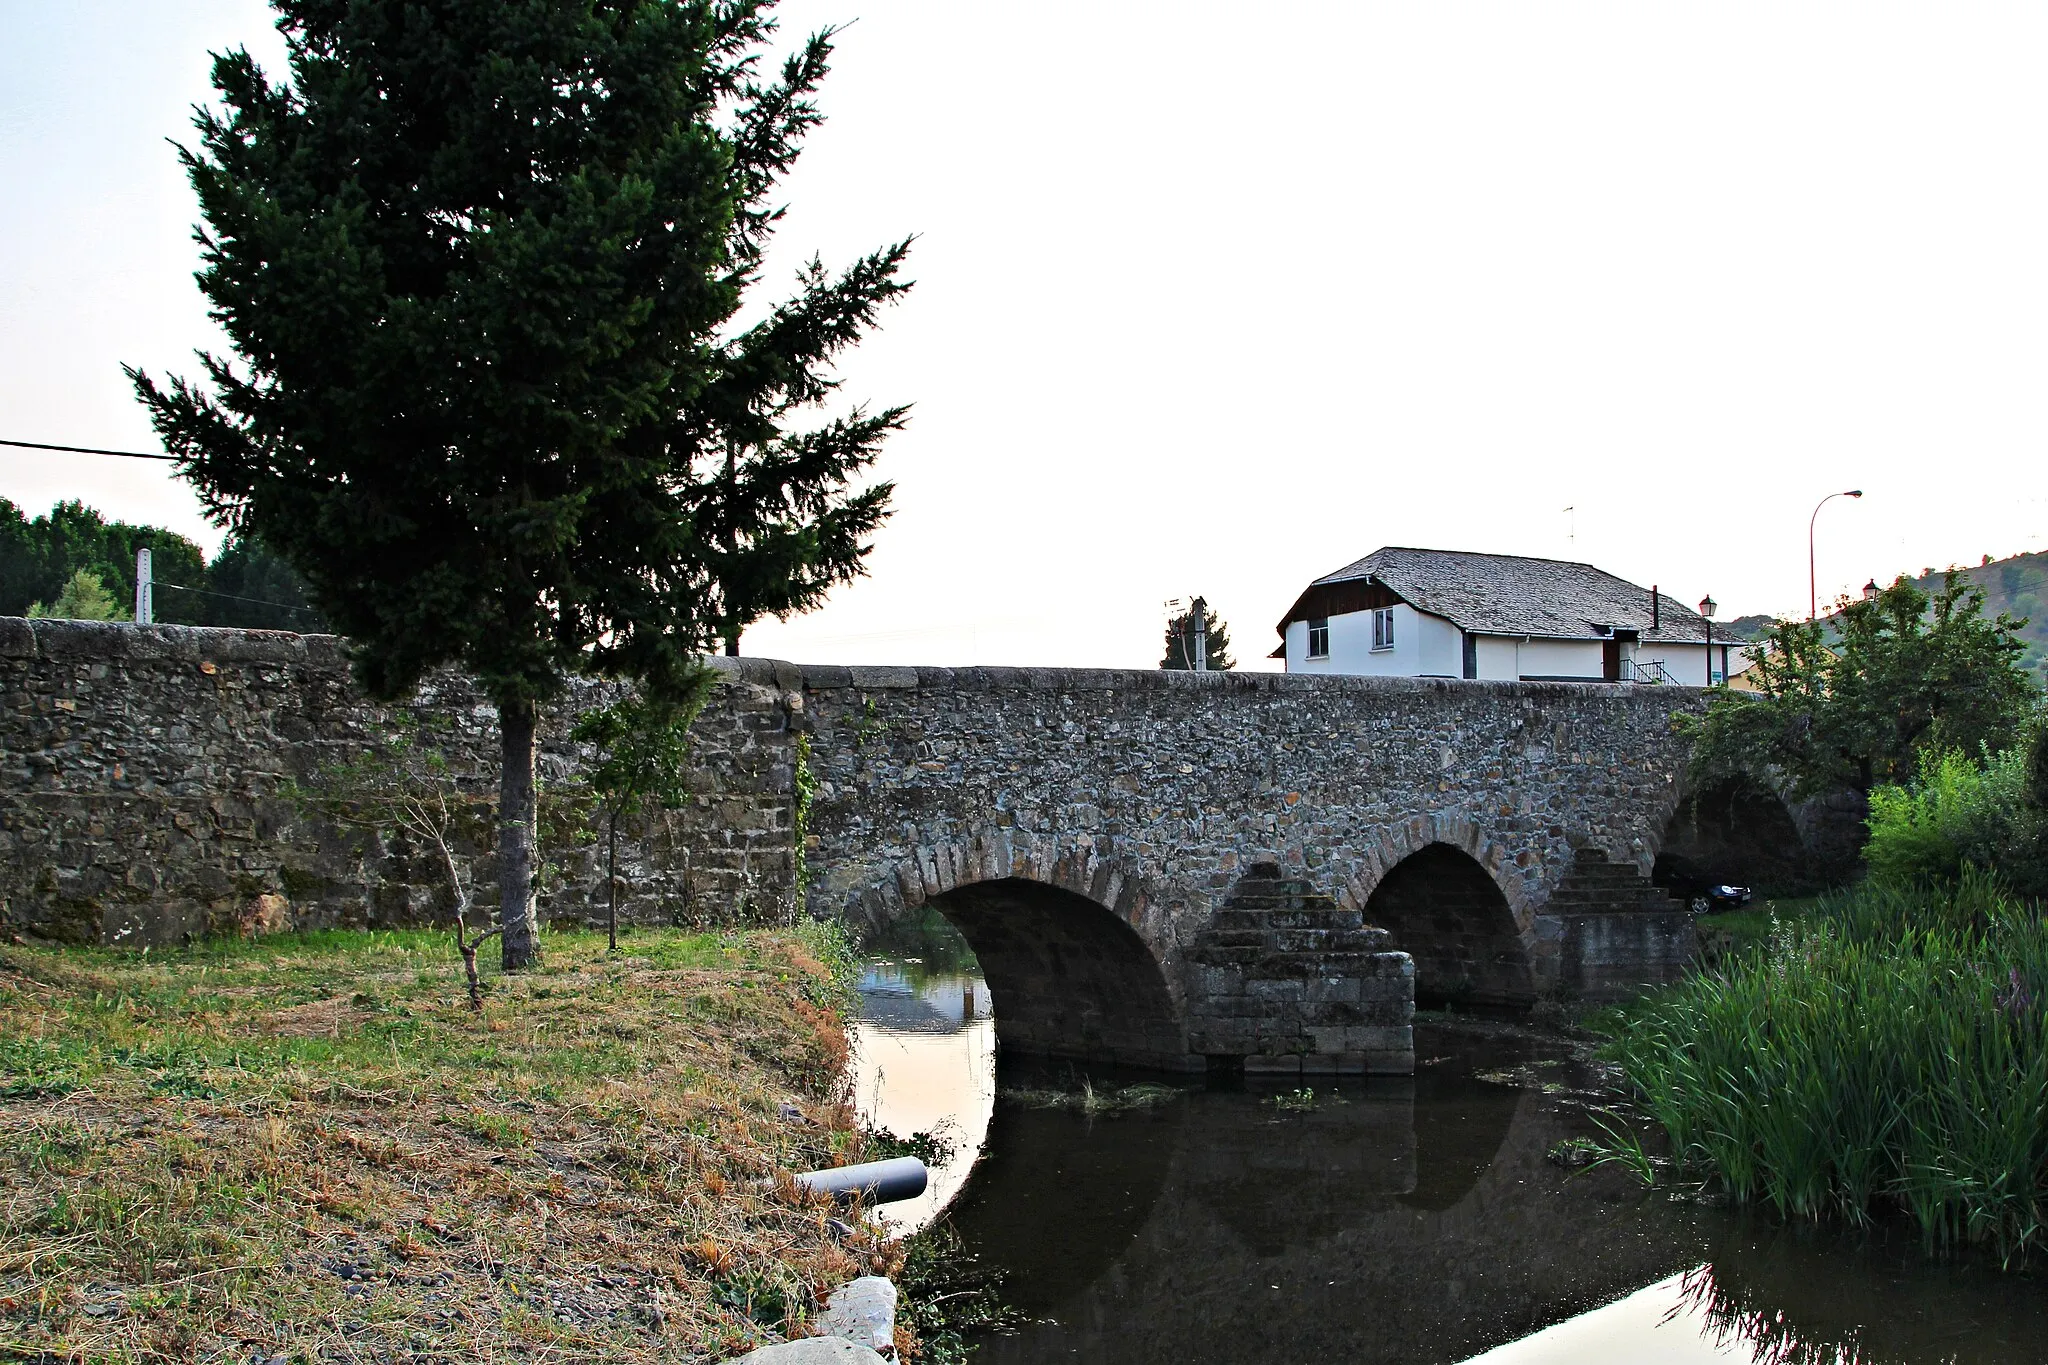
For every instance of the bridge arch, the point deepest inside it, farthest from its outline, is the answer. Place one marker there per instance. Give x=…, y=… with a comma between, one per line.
x=1740, y=830
x=1387, y=847
x=1072, y=945
x=1447, y=911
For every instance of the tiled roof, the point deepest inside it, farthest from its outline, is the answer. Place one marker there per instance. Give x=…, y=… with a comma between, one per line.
x=1513, y=595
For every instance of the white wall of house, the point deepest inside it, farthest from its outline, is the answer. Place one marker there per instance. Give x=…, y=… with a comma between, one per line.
x=1443, y=645
x=1429, y=646
x=1687, y=664
x=1561, y=659
x=1424, y=646
x=1495, y=656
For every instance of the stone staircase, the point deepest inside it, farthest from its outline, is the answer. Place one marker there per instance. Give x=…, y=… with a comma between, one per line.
x=1285, y=980
x=1274, y=920
x=1619, y=931
x=1596, y=886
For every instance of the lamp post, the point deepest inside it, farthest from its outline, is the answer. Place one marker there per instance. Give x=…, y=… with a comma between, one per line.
x=1707, y=605
x=1812, y=590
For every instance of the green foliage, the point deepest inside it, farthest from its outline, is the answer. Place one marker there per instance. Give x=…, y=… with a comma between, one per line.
x=643, y=746
x=245, y=586
x=950, y=1296
x=1180, y=642
x=933, y=1148
x=41, y=556
x=480, y=265
x=83, y=599
x=1906, y=674
x=251, y=587
x=643, y=749
x=1302, y=1100
x=924, y=944
x=2017, y=587
x=1890, y=1051
x=1956, y=814
x=804, y=787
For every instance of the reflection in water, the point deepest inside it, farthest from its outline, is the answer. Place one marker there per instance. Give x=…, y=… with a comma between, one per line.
x=924, y=1062
x=1419, y=1221
x=1393, y=1220
x=1655, y=1323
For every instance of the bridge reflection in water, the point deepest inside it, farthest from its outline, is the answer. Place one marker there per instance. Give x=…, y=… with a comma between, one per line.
x=1411, y=1220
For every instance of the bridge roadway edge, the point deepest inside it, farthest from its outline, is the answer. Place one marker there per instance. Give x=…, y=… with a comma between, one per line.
x=142, y=797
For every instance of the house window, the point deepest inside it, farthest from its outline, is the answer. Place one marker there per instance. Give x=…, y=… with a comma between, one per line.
x=1319, y=637
x=1383, y=628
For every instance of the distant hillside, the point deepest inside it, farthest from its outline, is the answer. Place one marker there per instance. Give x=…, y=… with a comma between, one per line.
x=2017, y=586
x=1747, y=627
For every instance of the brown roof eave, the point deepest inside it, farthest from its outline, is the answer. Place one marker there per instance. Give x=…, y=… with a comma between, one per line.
x=1340, y=598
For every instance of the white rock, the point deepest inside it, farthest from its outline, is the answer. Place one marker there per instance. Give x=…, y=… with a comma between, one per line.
x=814, y=1351
x=862, y=1310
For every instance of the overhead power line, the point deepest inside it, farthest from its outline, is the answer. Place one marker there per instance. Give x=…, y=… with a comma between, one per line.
x=88, y=450
x=231, y=597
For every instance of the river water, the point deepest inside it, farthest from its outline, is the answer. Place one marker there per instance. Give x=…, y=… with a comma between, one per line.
x=1389, y=1220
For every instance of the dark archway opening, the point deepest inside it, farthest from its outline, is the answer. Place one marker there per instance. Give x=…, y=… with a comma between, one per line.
x=1067, y=977
x=1444, y=911
x=1738, y=832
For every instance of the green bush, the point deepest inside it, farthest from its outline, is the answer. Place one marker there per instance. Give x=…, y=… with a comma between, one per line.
x=1890, y=1052
x=1960, y=814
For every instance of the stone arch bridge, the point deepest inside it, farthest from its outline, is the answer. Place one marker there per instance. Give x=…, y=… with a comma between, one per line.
x=1161, y=868
x=1155, y=868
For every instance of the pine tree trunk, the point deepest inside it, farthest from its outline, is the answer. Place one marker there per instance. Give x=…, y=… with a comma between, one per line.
x=520, y=942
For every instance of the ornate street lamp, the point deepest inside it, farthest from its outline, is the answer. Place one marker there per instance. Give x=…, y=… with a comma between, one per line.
x=1707, y=605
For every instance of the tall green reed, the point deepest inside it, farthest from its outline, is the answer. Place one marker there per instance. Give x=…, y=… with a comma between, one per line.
x=1890, y=1052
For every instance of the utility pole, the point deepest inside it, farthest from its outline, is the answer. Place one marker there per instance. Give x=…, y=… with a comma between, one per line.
x=1812, y=583
x=1198, y=622
x=145, y=589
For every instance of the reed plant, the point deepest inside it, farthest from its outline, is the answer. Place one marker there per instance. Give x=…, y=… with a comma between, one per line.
x=1887, y=1052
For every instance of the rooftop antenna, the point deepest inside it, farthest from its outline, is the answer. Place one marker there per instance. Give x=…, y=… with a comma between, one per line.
x=1571, y=531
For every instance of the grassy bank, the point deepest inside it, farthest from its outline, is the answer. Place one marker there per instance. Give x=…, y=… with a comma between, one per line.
x=311, y=1148
x=1886, y=1051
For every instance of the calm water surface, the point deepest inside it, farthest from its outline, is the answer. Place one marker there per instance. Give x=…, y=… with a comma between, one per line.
x=1395, y=1220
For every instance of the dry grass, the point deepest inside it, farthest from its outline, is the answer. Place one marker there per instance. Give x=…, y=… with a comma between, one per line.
x=309, y=1148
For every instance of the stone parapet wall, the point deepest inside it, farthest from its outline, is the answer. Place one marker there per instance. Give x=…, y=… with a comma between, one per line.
x=146, y=772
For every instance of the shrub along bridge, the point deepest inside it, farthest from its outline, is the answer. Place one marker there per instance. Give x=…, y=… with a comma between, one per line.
x=1163, y=869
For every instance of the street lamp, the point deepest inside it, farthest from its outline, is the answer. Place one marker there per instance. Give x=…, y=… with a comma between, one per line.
x=1812, y=592
x=1707, y=605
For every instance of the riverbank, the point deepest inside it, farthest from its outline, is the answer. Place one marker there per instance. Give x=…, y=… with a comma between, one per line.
x=1886, y=1053
x=310, y=1148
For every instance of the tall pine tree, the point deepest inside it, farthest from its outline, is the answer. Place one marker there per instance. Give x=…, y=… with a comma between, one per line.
x=481, y=263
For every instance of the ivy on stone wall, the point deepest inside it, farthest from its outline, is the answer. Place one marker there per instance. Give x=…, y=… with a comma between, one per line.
x=806, y=787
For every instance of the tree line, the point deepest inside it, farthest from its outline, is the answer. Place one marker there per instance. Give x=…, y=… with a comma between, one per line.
x=71, y=561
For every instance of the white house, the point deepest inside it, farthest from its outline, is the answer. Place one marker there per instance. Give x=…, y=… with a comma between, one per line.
x=1449, y=614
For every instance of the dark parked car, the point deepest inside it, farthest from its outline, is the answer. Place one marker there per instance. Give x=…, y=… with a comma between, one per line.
x=1707, y=900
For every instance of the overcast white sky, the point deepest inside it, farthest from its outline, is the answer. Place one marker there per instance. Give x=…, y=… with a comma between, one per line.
x=1215, y=299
